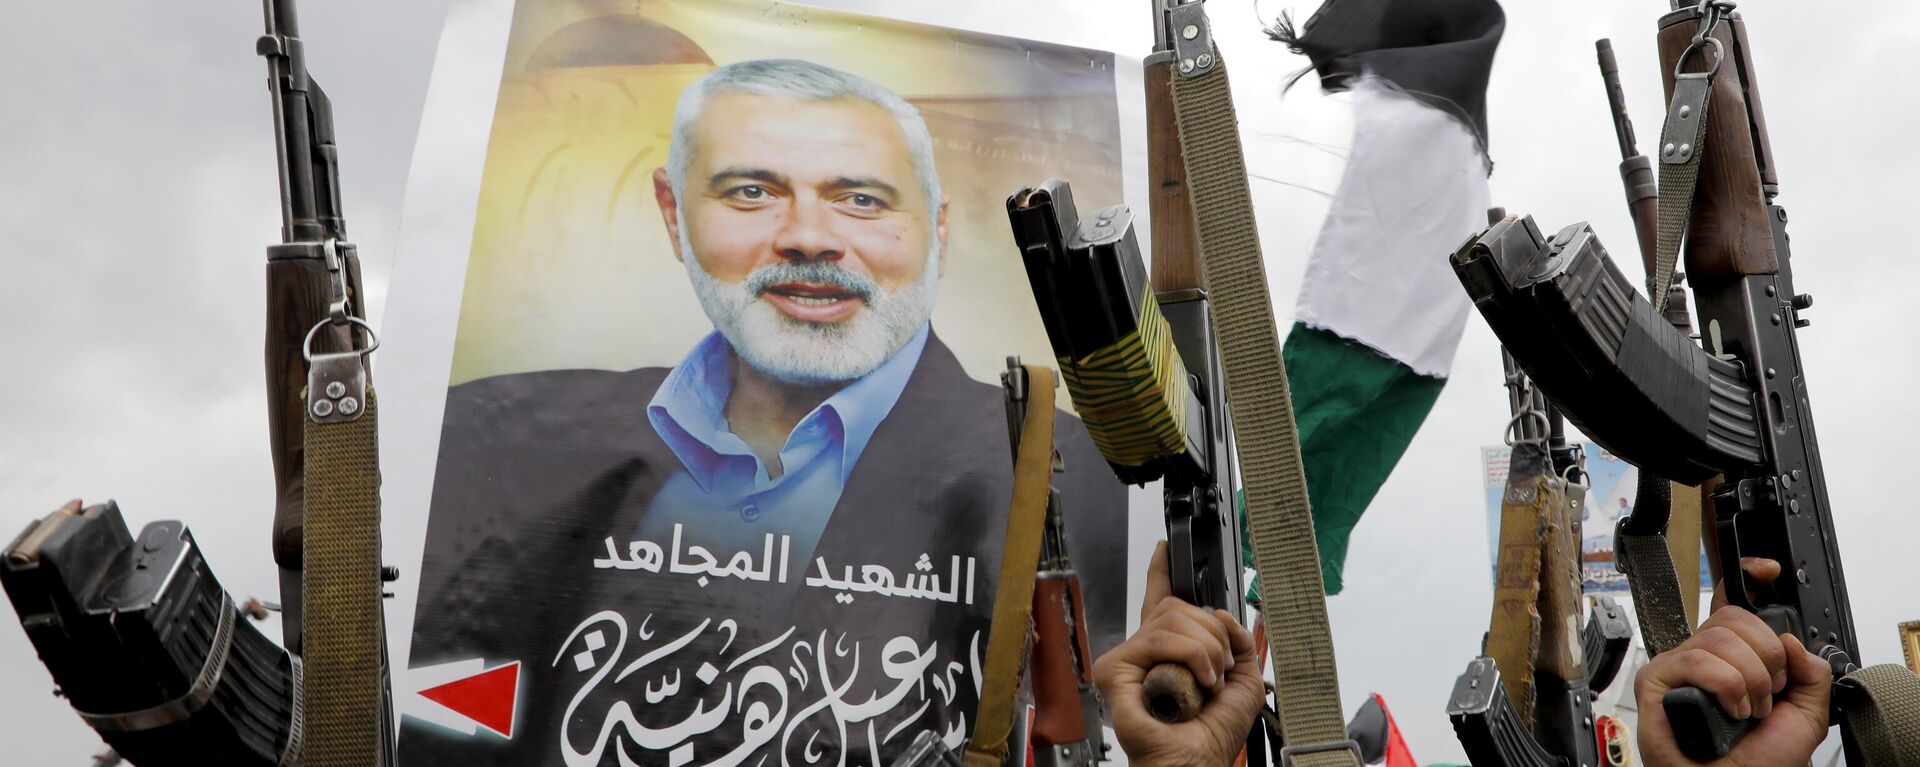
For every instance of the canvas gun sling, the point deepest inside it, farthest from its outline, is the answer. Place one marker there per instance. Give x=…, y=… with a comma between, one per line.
x=1280, y=518
x=344, y=642
x=1513, y=632
x=1019, y=562
x=1534, y=627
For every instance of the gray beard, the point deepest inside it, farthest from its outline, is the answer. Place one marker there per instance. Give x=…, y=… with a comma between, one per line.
x=809, y=353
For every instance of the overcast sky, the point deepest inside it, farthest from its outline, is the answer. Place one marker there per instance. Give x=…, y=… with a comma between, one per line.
x=137, y=191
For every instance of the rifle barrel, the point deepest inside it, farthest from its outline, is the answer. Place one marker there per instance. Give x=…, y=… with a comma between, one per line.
x=1616, y=98
x=281, y=25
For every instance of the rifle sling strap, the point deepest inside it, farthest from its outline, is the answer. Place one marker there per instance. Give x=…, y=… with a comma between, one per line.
x=1880, y=709
x=1682, y=144
x=1280, y=520
x=1019, y=564
x=1513, y=632
x=1648, y=566
x=343, y=645
x=1644, y=557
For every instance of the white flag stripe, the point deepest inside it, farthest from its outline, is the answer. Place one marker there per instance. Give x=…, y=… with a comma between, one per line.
x=1415, y=188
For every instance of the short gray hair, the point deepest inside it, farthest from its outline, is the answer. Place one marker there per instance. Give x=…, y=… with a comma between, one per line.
x=800, y=81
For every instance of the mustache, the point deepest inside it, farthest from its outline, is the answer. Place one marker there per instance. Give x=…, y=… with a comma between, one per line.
x=816, y=272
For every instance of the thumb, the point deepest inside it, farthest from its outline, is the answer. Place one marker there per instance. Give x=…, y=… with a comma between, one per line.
x=1159, y=583
x=1809, y=679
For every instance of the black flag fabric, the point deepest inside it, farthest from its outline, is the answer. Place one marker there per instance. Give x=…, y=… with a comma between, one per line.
x=1440, y=51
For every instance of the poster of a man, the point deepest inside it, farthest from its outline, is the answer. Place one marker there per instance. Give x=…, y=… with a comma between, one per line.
x=776, y=538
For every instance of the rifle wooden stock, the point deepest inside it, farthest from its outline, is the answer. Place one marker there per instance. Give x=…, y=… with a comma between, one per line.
x=1729, y=236
x=1742, y=54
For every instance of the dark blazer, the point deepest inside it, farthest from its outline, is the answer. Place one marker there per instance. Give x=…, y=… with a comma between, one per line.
x=537, y=470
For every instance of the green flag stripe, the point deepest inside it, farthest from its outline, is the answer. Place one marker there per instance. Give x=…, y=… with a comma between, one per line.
x=1357, y=410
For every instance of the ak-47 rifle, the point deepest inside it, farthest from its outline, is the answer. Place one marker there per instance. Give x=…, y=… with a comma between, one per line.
x=1093, y=291
x=145, y=644
x=1067, y=712
x=1527, y=700
x=1155, y=366
x=143, y=641
x=321, y=413
x=1100, y=310
x=1738, y=408
x=1045, y=602
x=1535, y=709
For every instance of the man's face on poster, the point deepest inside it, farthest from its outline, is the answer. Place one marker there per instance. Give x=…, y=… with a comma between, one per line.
x=807, y=233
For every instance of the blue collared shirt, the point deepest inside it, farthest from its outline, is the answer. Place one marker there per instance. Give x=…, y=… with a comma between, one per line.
x=723, y=494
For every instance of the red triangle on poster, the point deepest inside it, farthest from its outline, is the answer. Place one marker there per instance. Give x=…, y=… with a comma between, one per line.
x=487, y=697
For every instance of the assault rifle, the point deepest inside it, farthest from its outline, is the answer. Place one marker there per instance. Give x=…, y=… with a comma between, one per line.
x=142, y=639
x=1066, y=729
x=1097, y=304
x=321, y=412
x=1149, y=416
x=1044, y=603
x=1536, y=711
x=1155, y=365
x=1738, y=408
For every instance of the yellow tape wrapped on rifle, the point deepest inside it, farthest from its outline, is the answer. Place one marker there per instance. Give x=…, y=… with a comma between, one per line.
x=1132, y=393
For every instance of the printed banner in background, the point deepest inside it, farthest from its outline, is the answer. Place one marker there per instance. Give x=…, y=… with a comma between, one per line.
x=1611, y=486
x=724, y=468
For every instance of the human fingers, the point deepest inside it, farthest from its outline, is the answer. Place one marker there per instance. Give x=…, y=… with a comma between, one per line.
x=1692, y=666
x=1761, y=639
x=1159, y=584
x=1761, y=571
x=1239, y=639
x=1201, y=626
x=1756, y=693
x=1798, y=723
x=1809, y=679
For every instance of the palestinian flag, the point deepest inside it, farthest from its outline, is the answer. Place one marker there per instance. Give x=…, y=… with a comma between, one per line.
x=1380, y=312
x=1379, y=737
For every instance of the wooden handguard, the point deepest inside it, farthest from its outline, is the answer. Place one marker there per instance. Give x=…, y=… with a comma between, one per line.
x=1058, y=717
x=297, y=290
x=1729, y=235
x=1173, y=256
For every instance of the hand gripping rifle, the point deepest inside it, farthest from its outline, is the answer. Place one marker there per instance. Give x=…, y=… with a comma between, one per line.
x=1738, y=408
x=1129, y=380
x=141, y=638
